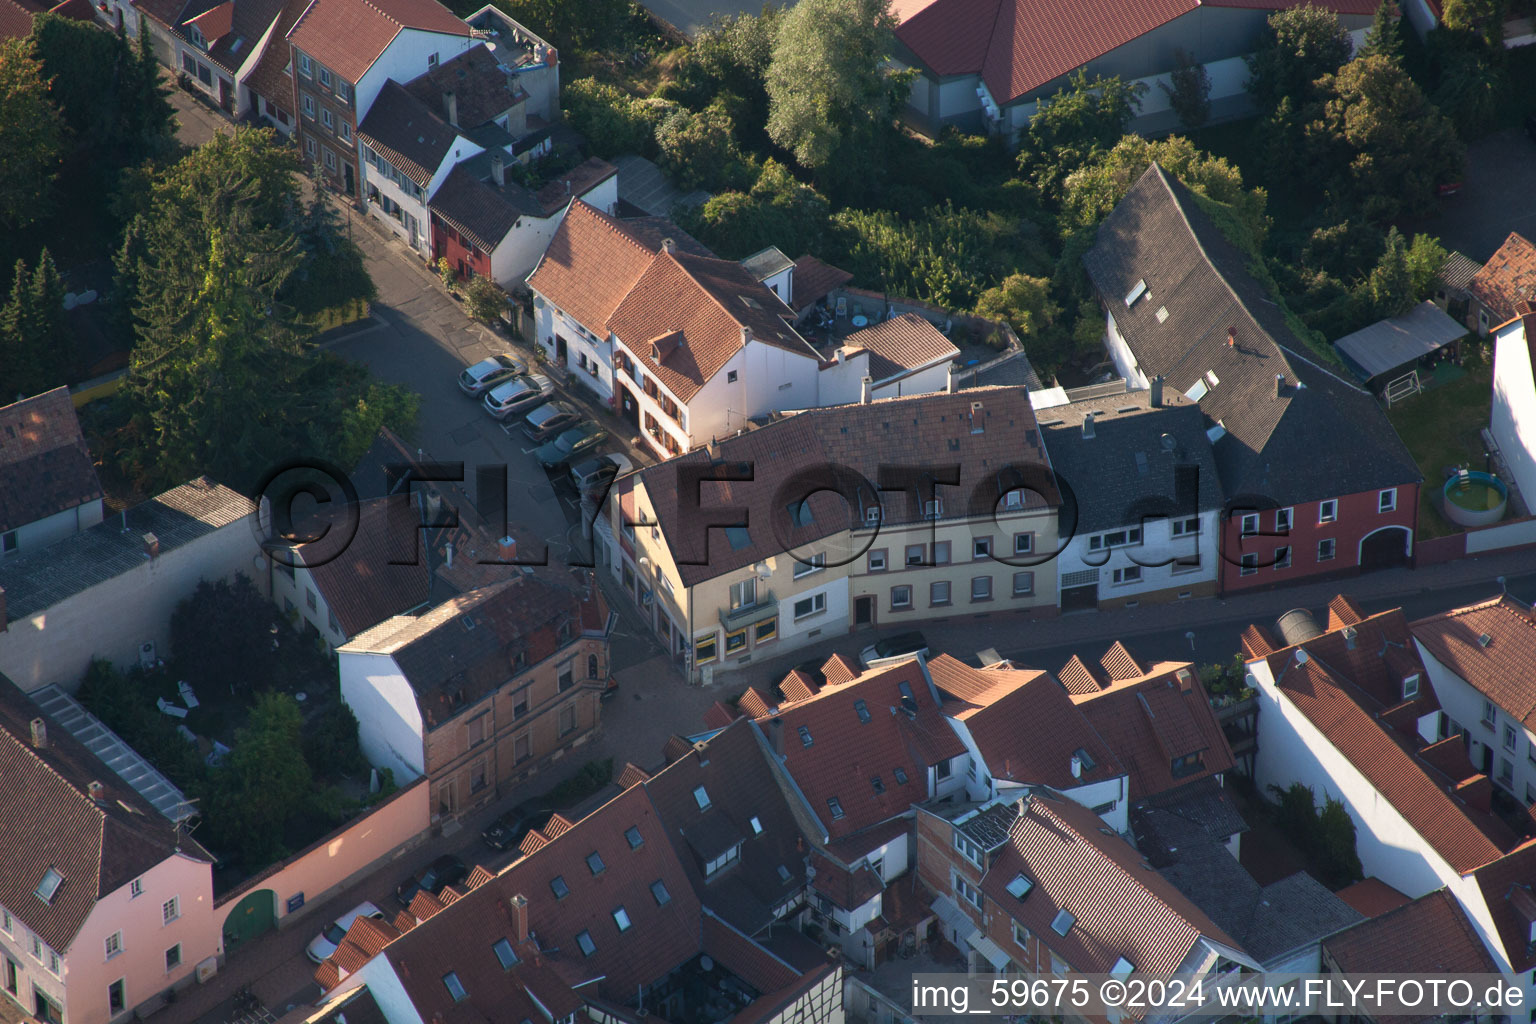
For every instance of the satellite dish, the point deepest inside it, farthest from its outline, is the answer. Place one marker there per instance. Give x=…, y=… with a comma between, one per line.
x=763, y=572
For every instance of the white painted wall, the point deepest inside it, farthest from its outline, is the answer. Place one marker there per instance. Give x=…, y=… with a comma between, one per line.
x=44, y=531
x=1120, y=352
x=1463, y=703
x=405, y=59
x=390, y=729
x=514, y=259
x=1158, y=545
x=378, y=974
x=294, y=593
x=835, y=616
x=1513, y=418
x=894, y=858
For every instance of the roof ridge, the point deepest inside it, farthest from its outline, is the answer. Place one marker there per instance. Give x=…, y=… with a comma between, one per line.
x=700, y=285
x=1320, y=368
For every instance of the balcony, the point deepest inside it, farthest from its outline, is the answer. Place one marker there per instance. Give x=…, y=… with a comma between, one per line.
x=767, y=607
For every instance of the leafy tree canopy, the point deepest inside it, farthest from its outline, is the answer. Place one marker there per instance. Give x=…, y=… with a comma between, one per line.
x=1300, y=46
x=31, y=135
x=1071, y=128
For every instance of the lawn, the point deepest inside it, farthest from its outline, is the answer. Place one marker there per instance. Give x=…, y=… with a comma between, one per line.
x=1441, y=427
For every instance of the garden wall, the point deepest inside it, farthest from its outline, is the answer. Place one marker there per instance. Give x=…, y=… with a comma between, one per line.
x=1513, y=534
x=311, y=876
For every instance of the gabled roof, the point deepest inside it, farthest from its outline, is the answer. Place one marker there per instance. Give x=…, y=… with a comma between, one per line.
x=590, y=266
x=1024, y=725
x=347, y=36
x=482, y=90
x=1507, y=279
x=1018, y=46
x=51, y=823
x=1154, y=718
x=813, y=280
x=1371, y=897
x=271, y=78
x=37, y=580
x=986, y=433
x=1464, y=836
x=1120, y=906
x=1131, y=467
x=1507, y=885
x=1504, y=668
x=232, y=28
x=408, y=133
x=465, y=648
x=732, y=768
x=902, y=345
x=1457, y=272
x=45, y=466
x=1201, y=320
x=475, y=206
x=1196, y=814
x=848, y=889
x=846, y=754
x=1431, y=935
x=712, y=304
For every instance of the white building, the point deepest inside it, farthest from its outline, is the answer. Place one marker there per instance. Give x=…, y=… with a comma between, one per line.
x=1513, y=417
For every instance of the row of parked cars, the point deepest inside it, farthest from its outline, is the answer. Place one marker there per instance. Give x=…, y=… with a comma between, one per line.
x=564, y=439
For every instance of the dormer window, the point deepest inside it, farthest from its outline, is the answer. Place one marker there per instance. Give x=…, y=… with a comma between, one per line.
x=1187, y=765
x=197, y=37
x=49, y=886
x=1411, y=686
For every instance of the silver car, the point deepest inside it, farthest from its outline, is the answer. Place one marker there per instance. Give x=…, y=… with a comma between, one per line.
x=487, y=373
x=327, y=941
x=517, y=395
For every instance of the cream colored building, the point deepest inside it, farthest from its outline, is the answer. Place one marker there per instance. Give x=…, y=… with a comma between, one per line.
x=840, y=526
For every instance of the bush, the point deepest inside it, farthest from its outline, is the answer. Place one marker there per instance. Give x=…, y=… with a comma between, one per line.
x=217, y=639
x=446, y=273
x=594, y=775
x=1327, y=837
x=484, y=300
x=330, y=742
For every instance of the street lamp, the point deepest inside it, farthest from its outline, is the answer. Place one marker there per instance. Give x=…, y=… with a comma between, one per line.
x=1190, y=636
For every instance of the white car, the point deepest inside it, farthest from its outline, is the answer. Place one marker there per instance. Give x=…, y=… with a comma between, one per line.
x=487, y=373
x=326, y=942
x=516, y=395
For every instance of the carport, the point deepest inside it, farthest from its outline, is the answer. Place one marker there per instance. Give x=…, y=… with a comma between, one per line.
x=1390, y=349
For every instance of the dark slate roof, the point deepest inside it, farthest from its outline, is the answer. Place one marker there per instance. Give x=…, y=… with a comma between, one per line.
x=407, y=133
x=1008, y=370
x=50, y=821
x=41, y=579
x=652, y=231
x=733, y=769
x=478, y=209
x=1126, y=471
x=989, y=828
x=482, y=89
x=1315, y=437
x=45, y=466
x=1199, y=813
x=1268, y=921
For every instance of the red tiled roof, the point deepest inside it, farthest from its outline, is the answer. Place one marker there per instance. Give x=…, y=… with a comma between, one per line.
x=216, y=22
x=1374, y=662
x=845, y=754
x=1507, y=885
x=754, y=703
x=589, y=266
x=270, y=79
x=1025, y=725
x=1150, y=721
x=79, y=10
x=1507, y=279
x=1431, y=935
x=632, y=775
x=798, y=686
x=1257, y=643
x=1372, y=897
x=850, y=890
x=1461, y=835
x=1079, y=677
x=718, y=716
x=900, y=345
x=1504, y=670
x=347, y=36
x=1449, y=758
x=16, y=18
x=45, y=466
x=1120, y=905
x=1342, y=611
x=839, y=669
x=1018, y=46
x=813, y=280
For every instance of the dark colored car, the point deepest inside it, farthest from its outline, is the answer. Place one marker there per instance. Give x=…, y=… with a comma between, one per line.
x=572, y=444
x=592, y=476
x=434, y=878
x=507, y=831
x=899, y=646
x=549, y=421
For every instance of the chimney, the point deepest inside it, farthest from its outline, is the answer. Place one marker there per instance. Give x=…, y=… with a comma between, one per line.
x=39, y=733
x=97, y=791
x=451, y=107
x=1077, y=767
x=507, y=547
x=668, y=245
x=1279, y=385
x=1231, y=337
x=1155, y=395
x=746, y=336
x=776, y=735
x=1350, y=633
x=498, y=169
x=448, y=551
x=1088, y=427
x=519, y=910
x=952, y=383
x=866, y=390
x=151, y=545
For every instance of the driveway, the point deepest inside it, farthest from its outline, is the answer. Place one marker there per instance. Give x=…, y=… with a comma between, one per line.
x=1497, y=197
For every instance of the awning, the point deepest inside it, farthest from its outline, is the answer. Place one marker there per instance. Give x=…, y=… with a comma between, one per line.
x=991, y=950
x=1391, y=344
x=956, y=921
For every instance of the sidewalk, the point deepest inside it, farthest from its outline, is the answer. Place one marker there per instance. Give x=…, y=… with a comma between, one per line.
x=1014, y=635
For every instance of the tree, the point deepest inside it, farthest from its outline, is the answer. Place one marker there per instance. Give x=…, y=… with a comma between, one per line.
x=218, y=636
x=1469, y=79
x=1384, y=37
x=1380, y=145
x=1300, y=46
x=1336, y=845
x=31, y=135
x=1426, y=256
x=483, y=300
x=1073, y=127
x=1483, y=18
x=330, y=741
x=264, y=780
x=779, y=210
x=1092, y=191
x=1390, y=284
x=947, y=258
x=1190, y=92
x=699, y=150
x=37, y=351
x=613, y=122
x=828, y=81
x=1024, y=301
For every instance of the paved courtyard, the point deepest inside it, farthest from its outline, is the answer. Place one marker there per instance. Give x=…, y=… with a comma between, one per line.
x=1497, y=197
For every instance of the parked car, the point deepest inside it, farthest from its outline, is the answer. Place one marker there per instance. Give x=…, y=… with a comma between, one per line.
x=507, y=831
x=573, y=443
x=902, y=645
x=549, y=421
x=326, y=942
x=595, y=474
x=434, y=878
x=517, y=395
x=487, y=373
